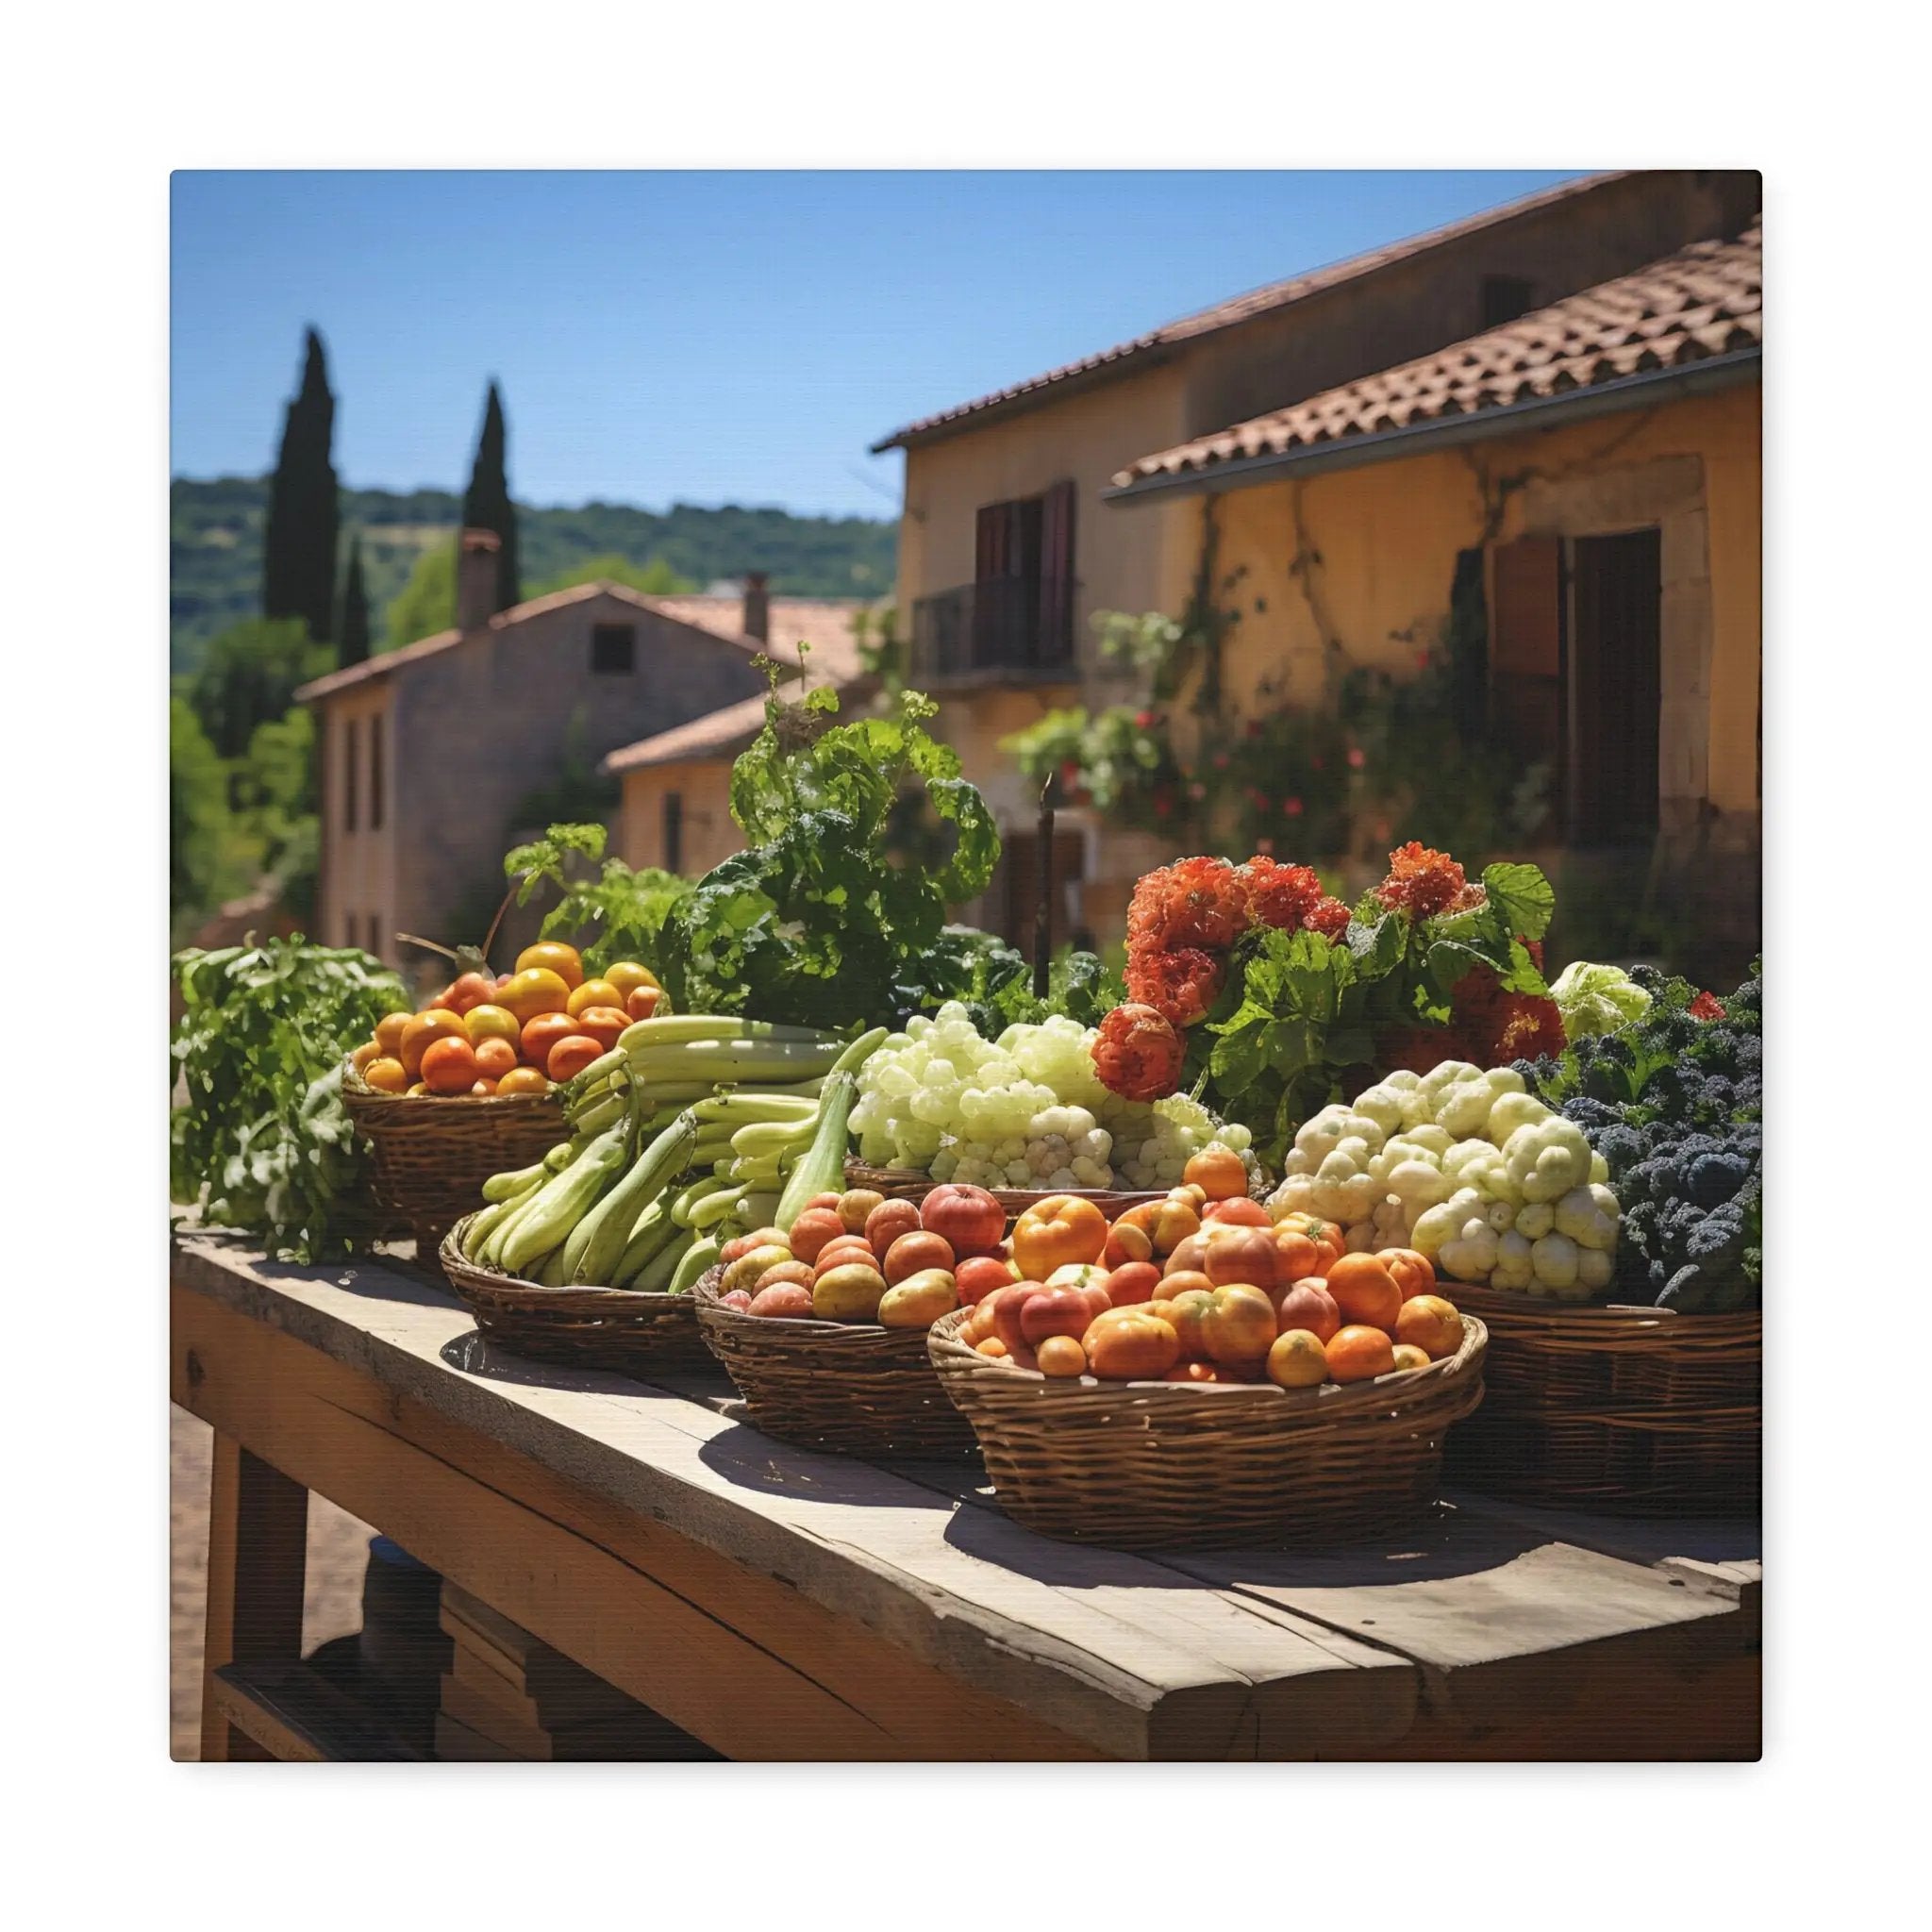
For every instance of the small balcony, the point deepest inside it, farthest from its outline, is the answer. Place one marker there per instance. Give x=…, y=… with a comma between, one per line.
x=1003, y=629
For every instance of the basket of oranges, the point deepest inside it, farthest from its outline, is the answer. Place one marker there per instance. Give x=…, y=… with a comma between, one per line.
x=467, y=1087
x=1196, y=1374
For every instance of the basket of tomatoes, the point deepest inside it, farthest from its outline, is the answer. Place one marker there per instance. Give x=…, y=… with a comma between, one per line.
x=468, y=1087
x=1196, y=1373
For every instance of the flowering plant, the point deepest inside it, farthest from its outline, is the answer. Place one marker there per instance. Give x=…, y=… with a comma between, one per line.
x=1278, y=996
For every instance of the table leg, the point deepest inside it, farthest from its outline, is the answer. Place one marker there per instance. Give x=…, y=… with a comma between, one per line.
x=257, y=1547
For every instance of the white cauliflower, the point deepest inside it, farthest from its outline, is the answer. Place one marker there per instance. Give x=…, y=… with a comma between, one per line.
x=1595, y=1268
x=1514, y=1267
x=1513, y=1111
x=1548, y=1158
x=1553, y=1261
x=1383, y=1105
x=1321, y=1136
x=1472, y=1254
x=1589, y=1217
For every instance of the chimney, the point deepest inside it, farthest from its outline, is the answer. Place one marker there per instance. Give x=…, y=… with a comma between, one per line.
x=477, y=553
x=757, y=608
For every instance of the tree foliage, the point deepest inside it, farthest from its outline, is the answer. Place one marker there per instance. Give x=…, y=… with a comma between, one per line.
x=486, y=503
x=652, y=579
x=298, y=558
x=352, y=625
x=250, y=676
x=427, y=602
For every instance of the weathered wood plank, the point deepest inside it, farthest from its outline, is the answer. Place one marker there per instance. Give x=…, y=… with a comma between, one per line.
x=293, y=1714
x=562, y=1565
x=855, y=1539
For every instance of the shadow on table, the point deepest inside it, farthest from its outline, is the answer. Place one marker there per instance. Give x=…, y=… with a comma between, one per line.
x=381, y=1277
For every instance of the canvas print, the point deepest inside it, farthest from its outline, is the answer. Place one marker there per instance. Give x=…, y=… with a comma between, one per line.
x=967, y=966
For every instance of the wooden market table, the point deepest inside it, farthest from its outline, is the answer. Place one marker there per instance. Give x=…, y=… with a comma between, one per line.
x=780, y=1603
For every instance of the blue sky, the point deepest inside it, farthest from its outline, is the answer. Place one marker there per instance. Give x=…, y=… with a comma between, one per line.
x=707, y=338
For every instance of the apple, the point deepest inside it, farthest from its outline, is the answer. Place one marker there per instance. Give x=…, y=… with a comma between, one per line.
x=970, y=1219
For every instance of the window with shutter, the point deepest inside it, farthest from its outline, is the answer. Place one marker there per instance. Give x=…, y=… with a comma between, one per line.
x=352, y=752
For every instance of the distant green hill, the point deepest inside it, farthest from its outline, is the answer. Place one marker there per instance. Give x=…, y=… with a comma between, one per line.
x=215, y=542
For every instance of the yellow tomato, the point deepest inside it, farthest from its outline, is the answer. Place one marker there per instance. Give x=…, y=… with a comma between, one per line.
x=625, y=978
x=533, y=989
x=492, y=1022
x=594, y=992
x=559, y=958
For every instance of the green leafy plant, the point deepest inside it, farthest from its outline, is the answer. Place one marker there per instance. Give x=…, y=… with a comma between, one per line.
x=262, y=1142
x=617, y=915
x=815, y=921
x=1119, y=761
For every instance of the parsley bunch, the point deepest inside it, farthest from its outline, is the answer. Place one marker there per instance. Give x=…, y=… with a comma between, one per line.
x=263, y=1142
x=821, y=922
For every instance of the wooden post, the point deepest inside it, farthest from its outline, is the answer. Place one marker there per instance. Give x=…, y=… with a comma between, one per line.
x=257, y=1549
x=1043, y=912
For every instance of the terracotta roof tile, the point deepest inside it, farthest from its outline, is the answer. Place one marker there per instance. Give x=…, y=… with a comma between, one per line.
x=1706, y=300
x=717, y=734
x=1240, y=309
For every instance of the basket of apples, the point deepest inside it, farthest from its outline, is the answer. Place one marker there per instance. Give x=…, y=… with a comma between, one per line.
x=1197, y=1374
x=822, y=1326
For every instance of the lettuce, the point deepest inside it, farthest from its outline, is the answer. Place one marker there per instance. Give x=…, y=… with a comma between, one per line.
x=1597, y=999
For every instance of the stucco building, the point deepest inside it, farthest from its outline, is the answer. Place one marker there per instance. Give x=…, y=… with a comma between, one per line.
x=428, y=752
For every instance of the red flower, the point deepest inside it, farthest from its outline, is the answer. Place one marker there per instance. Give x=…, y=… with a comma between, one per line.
x=1706, y=1005
x=1280, y=895
x=1421, y=1049
x=1292, y=806
x=1421, y=882
x=1195, y=902
x=1356, y=756
x=1146, y=720
x=1222, y=761
x=1499, y=1026
x=1138, y=1054
x=1180, y=984
x=1328, y=917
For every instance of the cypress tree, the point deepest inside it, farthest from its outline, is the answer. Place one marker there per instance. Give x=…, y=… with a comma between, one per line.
x=298, y=560
x=351, y=633
x=487, y=504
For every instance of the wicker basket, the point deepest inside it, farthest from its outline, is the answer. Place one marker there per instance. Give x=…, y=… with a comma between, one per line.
x=429, y=1155
x=1173, y=1465
x=853, y=1388
x=1635, y=1411
x=616, y=1328
x=907, y=1184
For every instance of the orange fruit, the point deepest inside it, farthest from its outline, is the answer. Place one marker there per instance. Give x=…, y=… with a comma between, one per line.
x=1431, y=1324
x=483, y=1089
x=421, y=1030
x=523, y=1080
x=557, y=958
x=539, y=990
x=492, y=1022
x=389, y=1033
x=1217, y=1172
x=994, y=1348
x=1297, y=1359
x=449, y=1065
x=1239, y=1325
x=470, y=989
x=1359, y=1353
x=385, y=1075
x=495, y=1057
x=1365, y=1291
x=418, y=1092
x=627, y=976
x=1414, y=1273
x=1308, y=1305
x=1060, y=1355
x=1409, y=1357
x=543, y=1033
x=1238, y=1212
x=571, y=1056
x=602, y=1023
x=364, y=1054
x=642, y=1002
x=593, y=992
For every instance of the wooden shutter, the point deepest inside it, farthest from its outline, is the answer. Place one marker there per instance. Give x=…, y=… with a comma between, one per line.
x=1616, y=686
x=991, y=542
x=1056, y=574
x=1526, y=652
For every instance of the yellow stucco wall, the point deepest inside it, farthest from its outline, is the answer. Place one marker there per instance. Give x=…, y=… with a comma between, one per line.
x=1383, y=542
x=709, y=831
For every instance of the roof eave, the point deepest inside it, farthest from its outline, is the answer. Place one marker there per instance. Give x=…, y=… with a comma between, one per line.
x=1131, y=362
x=1387, y=445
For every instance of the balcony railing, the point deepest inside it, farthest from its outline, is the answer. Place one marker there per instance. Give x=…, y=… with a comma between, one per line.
x=1000, y=626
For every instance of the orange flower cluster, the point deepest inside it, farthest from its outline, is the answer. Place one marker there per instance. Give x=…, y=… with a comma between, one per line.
x=1138, y=1054
x=1423, y=882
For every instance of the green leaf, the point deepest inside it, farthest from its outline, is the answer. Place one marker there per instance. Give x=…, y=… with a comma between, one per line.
x=1522, y=896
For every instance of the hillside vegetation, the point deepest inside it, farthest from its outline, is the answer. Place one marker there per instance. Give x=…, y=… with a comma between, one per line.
x=216, y=526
